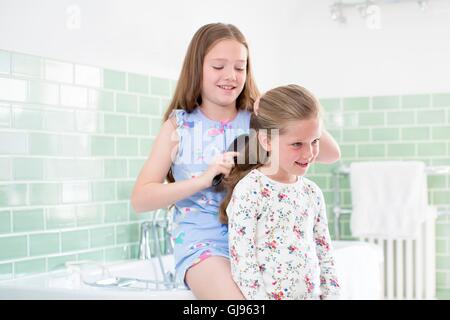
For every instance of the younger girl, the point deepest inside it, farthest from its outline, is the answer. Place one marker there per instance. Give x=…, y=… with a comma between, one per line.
x=211, y=106
x=278, y=233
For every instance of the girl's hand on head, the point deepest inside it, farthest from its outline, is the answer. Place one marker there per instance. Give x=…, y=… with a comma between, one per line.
x=221, y=165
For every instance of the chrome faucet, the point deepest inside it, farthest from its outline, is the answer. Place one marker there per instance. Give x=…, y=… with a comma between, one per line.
x=144, y=242
x=149, y=234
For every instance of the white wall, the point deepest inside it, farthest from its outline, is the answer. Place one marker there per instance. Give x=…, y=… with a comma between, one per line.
x=290, y=40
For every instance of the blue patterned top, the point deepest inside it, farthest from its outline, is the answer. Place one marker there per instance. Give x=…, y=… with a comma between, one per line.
x=197, y=232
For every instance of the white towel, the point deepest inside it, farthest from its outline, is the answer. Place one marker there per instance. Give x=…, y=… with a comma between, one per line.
x=389, y=198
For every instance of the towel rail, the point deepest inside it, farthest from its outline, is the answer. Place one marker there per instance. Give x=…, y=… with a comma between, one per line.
x=344, y=170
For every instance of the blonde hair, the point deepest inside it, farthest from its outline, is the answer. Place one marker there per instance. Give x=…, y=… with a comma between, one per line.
x=187, y=94
x=277, y=107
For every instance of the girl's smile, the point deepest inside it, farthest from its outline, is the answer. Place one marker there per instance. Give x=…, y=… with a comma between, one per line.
x=227, y=89
x=303, y=165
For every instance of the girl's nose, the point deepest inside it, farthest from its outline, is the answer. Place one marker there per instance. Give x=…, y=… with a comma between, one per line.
x=307, y=154
x=231, y=74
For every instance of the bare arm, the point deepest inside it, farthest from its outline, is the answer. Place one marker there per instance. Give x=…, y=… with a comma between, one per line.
x=329, y=151
x=150, y=192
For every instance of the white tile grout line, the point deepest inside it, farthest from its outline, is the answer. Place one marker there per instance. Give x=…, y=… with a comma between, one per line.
x=71, y=229
x=101, y=69
x=74, y=252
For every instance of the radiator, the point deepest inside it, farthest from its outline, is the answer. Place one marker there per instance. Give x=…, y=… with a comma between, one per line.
x=409, y=265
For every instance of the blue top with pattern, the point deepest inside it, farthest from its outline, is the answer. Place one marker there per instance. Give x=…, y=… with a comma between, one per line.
x=197, y=231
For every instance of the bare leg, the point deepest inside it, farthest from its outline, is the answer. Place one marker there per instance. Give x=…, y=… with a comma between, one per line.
x=211, y=280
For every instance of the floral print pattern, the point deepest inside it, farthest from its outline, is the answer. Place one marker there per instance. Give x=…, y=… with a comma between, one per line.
x=279, y=241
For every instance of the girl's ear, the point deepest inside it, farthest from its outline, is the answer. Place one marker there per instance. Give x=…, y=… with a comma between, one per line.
x=264, y=140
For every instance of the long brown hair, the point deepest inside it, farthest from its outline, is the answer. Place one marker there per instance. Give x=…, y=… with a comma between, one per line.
x=187, y=94
x=277, y=107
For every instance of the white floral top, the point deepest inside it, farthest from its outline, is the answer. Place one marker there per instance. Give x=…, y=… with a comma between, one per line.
x=279, y=241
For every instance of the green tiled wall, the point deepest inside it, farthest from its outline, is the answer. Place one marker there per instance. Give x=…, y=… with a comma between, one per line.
x=403, y=127
x=72, y=141
x=74, y=137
